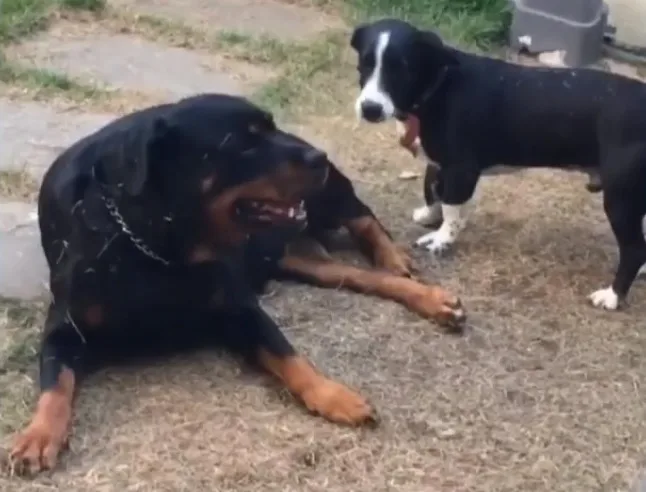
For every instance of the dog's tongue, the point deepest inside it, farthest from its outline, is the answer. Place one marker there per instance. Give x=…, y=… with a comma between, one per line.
x=409, y=139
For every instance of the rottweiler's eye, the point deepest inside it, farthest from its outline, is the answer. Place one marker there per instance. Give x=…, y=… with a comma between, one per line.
x=264, y=126
x=248, y=151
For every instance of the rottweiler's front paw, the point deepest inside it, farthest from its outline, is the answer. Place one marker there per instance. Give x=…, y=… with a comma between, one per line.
x=338, y=403
x=37, y=447
x=437, y=304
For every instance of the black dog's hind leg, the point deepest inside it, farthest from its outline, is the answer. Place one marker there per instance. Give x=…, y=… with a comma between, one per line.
x=267, y=345
x=62, y=353
x=625, y=218
x=430, y=215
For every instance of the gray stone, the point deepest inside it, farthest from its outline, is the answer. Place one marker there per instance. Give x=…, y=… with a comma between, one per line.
x=127, y=62
x=628, y=17
x=270, y=17
x=23, y=269
x=32, y=135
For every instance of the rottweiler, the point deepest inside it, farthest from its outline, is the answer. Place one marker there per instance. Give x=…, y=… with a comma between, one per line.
x=160, y=230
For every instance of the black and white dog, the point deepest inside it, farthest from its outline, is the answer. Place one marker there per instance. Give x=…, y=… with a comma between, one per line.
x=476, y=113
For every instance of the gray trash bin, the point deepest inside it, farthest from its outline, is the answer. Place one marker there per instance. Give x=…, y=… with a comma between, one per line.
x=575, y=27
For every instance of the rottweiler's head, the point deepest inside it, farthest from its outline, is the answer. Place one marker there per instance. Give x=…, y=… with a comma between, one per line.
x=397, y=64
x=221, y=164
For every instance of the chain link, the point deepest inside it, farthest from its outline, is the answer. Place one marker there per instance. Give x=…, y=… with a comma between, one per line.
x=136, y=241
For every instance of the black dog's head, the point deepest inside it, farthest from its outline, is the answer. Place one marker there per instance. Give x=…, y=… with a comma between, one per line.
x=397, y=64
x=220, y=164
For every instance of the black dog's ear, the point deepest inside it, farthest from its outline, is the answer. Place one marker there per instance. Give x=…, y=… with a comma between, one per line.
x=431, y=44
x=137, y=153
x=357, y=36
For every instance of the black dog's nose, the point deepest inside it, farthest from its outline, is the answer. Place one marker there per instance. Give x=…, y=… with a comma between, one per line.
x=371, y=111
x=315, y=157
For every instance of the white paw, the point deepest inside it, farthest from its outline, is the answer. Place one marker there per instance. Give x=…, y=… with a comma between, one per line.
x=427, y=216
x=436, y=242
x=605, y=298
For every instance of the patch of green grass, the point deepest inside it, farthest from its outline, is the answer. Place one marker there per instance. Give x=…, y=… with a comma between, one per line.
x=20, y=18
x=46, y=81
x=258, y=49
x=88, y=5
x=20, y=324
x=472, y=23
x=312, y=78
x=254, y=49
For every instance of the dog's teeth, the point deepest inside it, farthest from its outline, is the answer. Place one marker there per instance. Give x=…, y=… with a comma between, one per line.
x=292, y=213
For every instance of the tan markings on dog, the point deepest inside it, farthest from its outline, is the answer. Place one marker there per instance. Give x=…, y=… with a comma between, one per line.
x=207, y=184
x=287, y=182
x=321, y=395
x=428, y=301
x=201, y=254
x=38, y=446
x=308, y=247
x=373, y=238
x=225, y=229
x=93, y=315
x=410, y=138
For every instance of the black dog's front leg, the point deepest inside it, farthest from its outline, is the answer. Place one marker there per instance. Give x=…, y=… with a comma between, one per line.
x=456, y=184
x=62, y=354
x=269, y=347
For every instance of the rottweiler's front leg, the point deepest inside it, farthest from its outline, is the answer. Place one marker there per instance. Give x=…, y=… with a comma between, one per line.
x=339, y=206
x=320, y=394
x=429, y=301
x=37, y=447
x=376, y=243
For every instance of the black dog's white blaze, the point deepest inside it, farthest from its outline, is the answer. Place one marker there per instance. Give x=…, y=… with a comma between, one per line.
x=373, y=95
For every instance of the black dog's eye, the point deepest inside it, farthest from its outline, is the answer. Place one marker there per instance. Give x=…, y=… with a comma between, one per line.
x=367, y=62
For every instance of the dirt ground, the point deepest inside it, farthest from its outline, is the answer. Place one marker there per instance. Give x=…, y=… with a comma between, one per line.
x=543, y=393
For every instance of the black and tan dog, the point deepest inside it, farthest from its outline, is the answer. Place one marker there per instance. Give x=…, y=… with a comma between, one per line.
x=160, y=228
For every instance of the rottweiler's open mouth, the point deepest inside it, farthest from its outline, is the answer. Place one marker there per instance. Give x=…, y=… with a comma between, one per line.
x=271, y=212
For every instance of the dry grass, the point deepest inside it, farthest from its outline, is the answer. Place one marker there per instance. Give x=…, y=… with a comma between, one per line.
x=544, y=392
x=18, y=185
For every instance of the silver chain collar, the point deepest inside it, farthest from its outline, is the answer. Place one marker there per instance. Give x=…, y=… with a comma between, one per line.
x=136, y=241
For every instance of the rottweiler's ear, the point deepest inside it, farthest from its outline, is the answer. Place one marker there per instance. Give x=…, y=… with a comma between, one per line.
x=138, y=152
x=358, y=35
x=432, y=46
